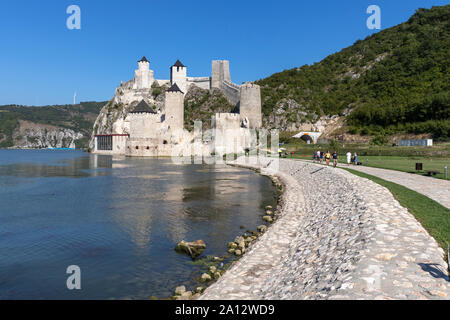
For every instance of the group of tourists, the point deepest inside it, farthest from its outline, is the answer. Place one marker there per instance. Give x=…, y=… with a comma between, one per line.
x=326, y=157
x=320, y=157
x=352, y=159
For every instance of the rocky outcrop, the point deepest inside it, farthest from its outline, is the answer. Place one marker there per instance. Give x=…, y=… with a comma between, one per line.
x=30, y=135
x=193, y=249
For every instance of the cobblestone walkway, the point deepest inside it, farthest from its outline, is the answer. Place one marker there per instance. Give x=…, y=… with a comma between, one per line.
x=436, y=189
x=339, y=236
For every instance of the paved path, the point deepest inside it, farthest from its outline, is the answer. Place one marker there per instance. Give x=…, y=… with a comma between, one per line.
x=436, y=189
x=338, y=236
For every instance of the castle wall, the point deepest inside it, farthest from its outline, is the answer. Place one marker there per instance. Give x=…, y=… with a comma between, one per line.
x=228, y=135
x=143, y=125
x=162, y=82
x=250, y=104
x=201, y=82
x=231, y=91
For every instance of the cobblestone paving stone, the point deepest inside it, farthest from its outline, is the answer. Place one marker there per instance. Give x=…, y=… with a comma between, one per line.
x=339, y=236
x=436, y=189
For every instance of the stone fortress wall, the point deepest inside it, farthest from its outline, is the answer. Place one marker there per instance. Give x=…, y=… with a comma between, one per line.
x=231, y=91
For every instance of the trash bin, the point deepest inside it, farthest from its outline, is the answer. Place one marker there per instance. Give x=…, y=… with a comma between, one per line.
x=419, y=166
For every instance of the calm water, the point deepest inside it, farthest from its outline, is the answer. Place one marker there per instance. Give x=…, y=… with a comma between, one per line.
x=118, y=219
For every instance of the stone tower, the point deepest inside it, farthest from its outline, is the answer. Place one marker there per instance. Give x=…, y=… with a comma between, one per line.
x=220, y=72
x=250, y=104
x=178, y=74
x=174, y=107
x=143, y=76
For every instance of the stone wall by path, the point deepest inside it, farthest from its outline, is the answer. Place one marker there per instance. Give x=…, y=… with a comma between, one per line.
x=338, y=236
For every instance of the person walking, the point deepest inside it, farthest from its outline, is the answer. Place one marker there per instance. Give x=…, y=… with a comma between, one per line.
x=356, y=159
x=328, y=157
x=349, y=158
x=335, y=159
x=321, y=157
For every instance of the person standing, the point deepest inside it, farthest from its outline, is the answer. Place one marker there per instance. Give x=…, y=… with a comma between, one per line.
x=356, y=159
x=335, y=159
x=328, y=157
x=349, y=158
x=321, y=157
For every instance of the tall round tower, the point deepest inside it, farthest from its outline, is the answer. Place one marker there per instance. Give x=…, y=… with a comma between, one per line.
x=250, y=104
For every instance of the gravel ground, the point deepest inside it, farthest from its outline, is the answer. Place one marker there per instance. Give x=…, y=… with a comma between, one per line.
x=339, y=236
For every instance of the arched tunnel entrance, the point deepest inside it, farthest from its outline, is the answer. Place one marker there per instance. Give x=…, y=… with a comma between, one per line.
x=307, y=138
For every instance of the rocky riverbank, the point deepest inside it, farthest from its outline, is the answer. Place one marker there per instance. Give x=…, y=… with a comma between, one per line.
x=338, y=236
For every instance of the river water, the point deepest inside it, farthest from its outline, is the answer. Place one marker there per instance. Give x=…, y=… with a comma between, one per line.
x=116, y=218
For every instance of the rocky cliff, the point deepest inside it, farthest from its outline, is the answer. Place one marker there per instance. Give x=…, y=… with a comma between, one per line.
x=61, y=126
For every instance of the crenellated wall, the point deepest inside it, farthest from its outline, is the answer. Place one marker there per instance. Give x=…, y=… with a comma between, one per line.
x=231, y=91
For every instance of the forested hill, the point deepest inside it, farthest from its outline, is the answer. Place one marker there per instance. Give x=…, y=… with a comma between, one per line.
x=57, y=126
x=396, y=80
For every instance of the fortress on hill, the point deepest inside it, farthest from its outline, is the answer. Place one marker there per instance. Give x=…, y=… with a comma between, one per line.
x=136, y=127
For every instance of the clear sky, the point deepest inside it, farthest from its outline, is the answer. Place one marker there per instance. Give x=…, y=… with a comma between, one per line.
x=42, y=62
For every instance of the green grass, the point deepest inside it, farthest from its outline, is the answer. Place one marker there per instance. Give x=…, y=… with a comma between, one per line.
x=387, y=157
x=434, y=217
x=407, y=164
x=439, y=150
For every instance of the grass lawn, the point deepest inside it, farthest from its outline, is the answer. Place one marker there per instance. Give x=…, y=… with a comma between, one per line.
x=400, y=162
x=434, y=217
x=408, y=164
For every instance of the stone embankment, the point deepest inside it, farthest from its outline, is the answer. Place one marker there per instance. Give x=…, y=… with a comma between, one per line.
x=338, y=236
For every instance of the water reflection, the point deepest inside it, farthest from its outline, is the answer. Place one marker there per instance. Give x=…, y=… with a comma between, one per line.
x=118, y=218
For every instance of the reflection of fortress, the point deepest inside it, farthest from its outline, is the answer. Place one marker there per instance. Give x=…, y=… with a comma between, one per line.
x=146, y=131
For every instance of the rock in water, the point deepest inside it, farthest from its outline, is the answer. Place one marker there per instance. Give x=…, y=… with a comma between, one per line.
x=180, y=290
x=262, y=228
x=193, y=249
x=206, y=277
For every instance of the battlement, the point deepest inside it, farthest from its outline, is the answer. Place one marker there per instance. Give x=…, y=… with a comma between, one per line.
x=153, y=117
x=227, y=116
x=250, y=85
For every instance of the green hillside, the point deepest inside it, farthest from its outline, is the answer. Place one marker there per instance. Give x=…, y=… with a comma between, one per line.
x=79, y=118
x=396, y=80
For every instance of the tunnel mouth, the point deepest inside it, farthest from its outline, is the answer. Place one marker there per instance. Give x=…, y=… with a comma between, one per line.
x=307, y=138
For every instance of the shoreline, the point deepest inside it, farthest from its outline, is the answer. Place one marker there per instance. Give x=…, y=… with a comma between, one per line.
x=347, y=238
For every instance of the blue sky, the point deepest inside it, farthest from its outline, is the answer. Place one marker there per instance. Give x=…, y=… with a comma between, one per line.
x=42, y=62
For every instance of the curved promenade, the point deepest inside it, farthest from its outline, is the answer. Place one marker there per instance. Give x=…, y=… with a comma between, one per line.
x=338, y=236
x=436, y=189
